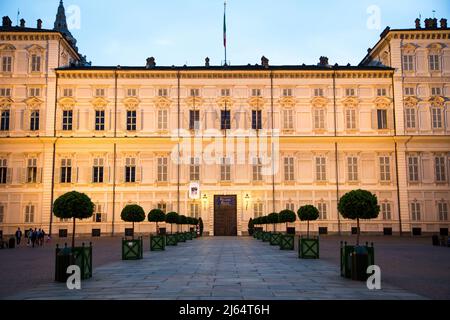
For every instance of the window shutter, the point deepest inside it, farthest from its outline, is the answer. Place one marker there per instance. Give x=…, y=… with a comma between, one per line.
x=9, y=172
x=374, y=119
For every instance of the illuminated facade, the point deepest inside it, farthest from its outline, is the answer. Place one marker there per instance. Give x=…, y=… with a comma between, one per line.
x=111, y=132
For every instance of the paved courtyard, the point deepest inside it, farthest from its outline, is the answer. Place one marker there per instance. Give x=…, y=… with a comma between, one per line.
x=217, y=268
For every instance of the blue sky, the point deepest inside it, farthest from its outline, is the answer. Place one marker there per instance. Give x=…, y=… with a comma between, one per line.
x=178, y=32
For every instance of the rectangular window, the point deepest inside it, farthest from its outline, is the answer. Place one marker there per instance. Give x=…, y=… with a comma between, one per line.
x=408, y=63
x=319, y=119
x=225, y=169
x=99, y=92
x=382, y=119
x=289, y=169
x=350, y=92
x=322, y=207
x=350, y=119
x=194, y=120
x=287, y=92
x=131, y=120
x=195, y=210
x=409, y=91
x=66, y=170
x=225, y=92
x=162, y=206
x=162, y=169
x=439, y=163
x=132, y=92
x=352, y=168
x=415, y=211
x=29, y=213
x=381, y=92
x=162, y=92
x=443, y=211
x=413, y=168
x=386, y=210
x=98, y=213
x=436, y=91
x=258, y=209
x=321, y=169
x=290, y=206
x=35, y=92
x=256, y=92
x=434, y=62
x=67, y=120
x=32, y=171
x=410, y=118
x=195, y=93
x=4, y=122
x=3, y=171
x=7, y=64
x=256, y=119
x=2, y=213
x=225, y=119
x=67, y=92
x=35, y=63
x=257, y=169
x=162, y=119
x=288, y=119
x=130, y=170
x=5, y=92
x=385, y=169
x=436, y=117
x=318, y=92
x=97, y=171
x=99, y=120
x=34, y=120
x=194, y=169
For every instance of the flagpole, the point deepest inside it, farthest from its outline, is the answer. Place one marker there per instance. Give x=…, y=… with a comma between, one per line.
x=225, y=29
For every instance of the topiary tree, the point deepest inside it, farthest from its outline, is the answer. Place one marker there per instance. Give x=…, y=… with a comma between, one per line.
x=287, y=216
x=359, y=204
x=133, y=213
x=171, y=218
x=156, y=215
x=182, y=220
x=273, y=218
x=73, y=205
x=251, y=226
x=200, y=225
x=308, y=213
x=264, y=221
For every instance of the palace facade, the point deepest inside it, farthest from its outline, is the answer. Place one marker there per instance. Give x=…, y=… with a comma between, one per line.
x=259, y=138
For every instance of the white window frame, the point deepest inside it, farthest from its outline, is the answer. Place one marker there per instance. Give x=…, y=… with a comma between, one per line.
x=416, y=211
x=442, y=211
x=163, y=116
x=413, y=168
x=162, y=169
x=289, y=168
x=352, y=169
x=321, y=168
x=386, y=210
x=194, y=169
x=385, y=168
x=30, y=210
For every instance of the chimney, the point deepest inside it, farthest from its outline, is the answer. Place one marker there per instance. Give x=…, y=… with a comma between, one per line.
x=427, y=23
x=6, y=22
x=443, y=23
x=323, y=61
x=434, y=23
x=39, y=24
x=207, y=62
x=418, y=26
x=150, y=63
x=265, y=62
x=22, y=23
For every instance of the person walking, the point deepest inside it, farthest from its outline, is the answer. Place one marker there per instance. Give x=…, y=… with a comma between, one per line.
x=33, y=237
x=30, y=235
x=18, y=236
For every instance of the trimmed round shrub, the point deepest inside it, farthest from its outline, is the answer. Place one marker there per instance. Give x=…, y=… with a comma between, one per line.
x=171, y=218
x=156, y=215
x=133, y=213
x=287, y=216
x=308, y=213
x=273, y=218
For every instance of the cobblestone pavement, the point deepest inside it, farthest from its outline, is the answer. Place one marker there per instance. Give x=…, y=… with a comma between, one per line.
x=218, y=268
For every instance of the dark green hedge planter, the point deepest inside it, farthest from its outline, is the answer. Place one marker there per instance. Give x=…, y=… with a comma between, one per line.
x=194, y=234
x=80, y=256
x=346, y=258
x=275, y=239
x=157, y=243
x=132, y=249
x=180, y=237
x=287, y=242
x=171, y=239
x=266, y=237
x=188, y=235
x=258, y=235
x=308, y=248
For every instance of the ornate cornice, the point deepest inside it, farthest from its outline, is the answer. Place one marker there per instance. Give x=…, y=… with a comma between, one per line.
x=319, y=101
x=437, y=101
x=225, y=101
x=350, y=102
x=162, y=102
x=33, y=102
x=190, y=101
x=410, y=101
x=131, y=103
x=256, y=102
x=67, y=102
x=99, y=102
x=6, y=102
x=287, y=101
x=382, y=102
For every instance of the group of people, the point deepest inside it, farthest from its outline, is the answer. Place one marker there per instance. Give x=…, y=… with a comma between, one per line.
x=34, y=237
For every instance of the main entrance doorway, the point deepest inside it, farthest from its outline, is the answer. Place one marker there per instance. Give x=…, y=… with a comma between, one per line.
x=225, y=215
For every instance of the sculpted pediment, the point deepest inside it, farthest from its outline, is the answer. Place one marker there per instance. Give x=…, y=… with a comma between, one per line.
x=287, y=101
x=350, y=102
x=191, y=101
x=319, y=101
x=162, y=102
x=33, y=102
x=225, y=101
x=411, y=101
x=382, y=101
x=257, y=101
x=131, y=102
x=7, y=47
x=6, y=102
x=67, y=102
x=35, y=48
x=437, y=101
x=99, y=102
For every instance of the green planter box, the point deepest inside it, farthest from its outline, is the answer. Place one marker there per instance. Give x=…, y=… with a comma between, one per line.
x=188, y=235
x=287, y=242
x=194, y=234
x=346, y=258
x=181, y=237
x=171, y=239
x=157, y=243
x=308, y=248
x=258, y=234
x=266, y=236
x=275, y=239
x=80, y=256
x=132, y=249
